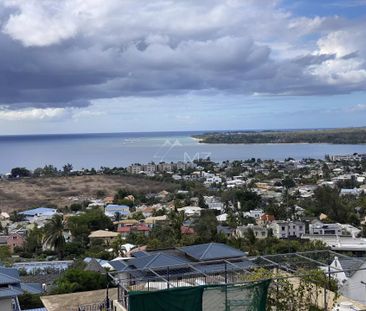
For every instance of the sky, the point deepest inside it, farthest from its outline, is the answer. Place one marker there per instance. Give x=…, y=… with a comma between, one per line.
x=77, y=66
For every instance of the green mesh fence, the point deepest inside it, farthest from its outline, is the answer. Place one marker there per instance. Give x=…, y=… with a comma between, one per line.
x=249, y=297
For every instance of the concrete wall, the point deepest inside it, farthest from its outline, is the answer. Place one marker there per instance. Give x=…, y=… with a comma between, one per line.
x=5, y=304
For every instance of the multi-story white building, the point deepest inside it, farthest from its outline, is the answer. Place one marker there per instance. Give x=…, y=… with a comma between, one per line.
x=149, y=168
x=288, y=229
x=135, y=169
x=166, y=167
x=214, y=203
x=260, y=232
x=320, y=228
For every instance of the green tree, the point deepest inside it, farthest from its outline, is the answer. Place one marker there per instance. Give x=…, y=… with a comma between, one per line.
x=4, y=253
x=75, y=207
x=54, y=234
x=50, y=171
x=206, y=226
x=20, y=172
x=201, y=202
x=33, y=242
x=16, y=217
x=30, y=301
x=250, y=241
x=138, y=215
x=81, y=225
x=76, y=280
x=67, y=168
x=176, y=221
x=288, y=182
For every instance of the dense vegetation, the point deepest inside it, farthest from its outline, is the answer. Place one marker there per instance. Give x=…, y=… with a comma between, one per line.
x=331, y=136
x=76, y=280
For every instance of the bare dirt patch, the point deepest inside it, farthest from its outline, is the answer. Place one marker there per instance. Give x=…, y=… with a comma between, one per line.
x=63, y=191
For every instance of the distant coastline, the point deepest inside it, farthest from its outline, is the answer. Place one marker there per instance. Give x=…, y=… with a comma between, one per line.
x=122, y=149
x=315, y=136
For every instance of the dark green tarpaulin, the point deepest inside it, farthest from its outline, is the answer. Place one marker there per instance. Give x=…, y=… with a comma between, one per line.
x=180, y=299
x=248, y=297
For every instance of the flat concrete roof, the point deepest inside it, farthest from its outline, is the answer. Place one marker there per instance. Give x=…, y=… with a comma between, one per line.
x=66, y=302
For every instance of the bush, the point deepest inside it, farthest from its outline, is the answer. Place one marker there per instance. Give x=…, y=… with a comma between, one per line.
x=76, y=280
x=30, y=301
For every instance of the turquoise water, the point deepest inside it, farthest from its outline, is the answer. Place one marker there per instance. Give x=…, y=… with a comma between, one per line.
x=96, y=150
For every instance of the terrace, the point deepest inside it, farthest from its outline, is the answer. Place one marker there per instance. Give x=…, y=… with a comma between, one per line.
x=163, y=271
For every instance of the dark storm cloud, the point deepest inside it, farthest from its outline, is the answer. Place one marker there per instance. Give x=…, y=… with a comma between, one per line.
x=76, y=54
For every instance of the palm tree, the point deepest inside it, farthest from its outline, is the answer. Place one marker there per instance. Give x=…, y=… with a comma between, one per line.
x=54, y=235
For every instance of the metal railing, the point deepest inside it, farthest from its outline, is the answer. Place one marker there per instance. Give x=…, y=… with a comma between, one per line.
x=295, y=265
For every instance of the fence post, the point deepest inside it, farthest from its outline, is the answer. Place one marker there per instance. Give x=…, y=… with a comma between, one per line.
x=326, y=287
x=226, y=302
x=225, y=273
x=168, y=278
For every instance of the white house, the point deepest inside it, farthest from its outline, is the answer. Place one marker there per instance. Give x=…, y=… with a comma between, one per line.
x=191, y=210
x=260, y=232
x=255, y=213
x=214, y=203
x=222, y=217
x=320, y=228
x=212, y=179
x=235, y=183
x=288, y=229
x=40, y=212
x=111, y=209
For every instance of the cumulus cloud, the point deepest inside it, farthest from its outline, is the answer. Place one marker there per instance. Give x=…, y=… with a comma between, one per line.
x=69, y=53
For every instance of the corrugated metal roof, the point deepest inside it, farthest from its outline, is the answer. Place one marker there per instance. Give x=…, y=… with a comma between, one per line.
x=9, y=276
x=10, y=292
x=211, y=251
x=32, y=288
x=139, y=254
x=351, y=264
x=156, y=261
x=118, y=265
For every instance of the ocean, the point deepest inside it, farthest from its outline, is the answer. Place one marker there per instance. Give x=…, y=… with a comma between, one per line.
x=123, y=149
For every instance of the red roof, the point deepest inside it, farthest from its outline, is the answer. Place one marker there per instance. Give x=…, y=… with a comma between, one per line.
x=125, y=229
x=186, y=230
x=142, y=227
x=267, y=217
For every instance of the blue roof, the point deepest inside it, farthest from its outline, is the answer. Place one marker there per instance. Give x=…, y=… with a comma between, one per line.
x=116, y=207
x=211, y=251
x=118, y=265
x=139, y=254
x=10, y=292
x=157, y=260
x=9, y=276
x=39, y=210
x=32, y=288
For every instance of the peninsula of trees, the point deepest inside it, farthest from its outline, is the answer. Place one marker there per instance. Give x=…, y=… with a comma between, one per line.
x=331, y=136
